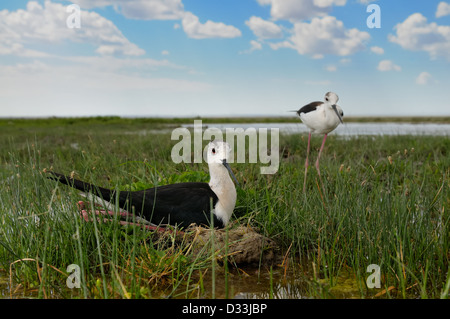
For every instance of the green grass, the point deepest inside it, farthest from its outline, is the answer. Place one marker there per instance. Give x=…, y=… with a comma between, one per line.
x=381, y=200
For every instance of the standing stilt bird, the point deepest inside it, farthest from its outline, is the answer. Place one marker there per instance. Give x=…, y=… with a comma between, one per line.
x=321, y=118
x=177, y=204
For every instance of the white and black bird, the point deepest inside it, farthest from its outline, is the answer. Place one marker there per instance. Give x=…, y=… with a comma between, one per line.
x=321, y=118
x=177, y=204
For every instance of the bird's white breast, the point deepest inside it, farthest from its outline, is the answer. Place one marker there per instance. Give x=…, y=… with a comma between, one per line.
x=321, y=121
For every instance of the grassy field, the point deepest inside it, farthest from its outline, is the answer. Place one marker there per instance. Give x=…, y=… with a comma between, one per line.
x=382, y=200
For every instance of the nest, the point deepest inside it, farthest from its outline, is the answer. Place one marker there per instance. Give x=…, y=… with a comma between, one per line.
x=241, y=245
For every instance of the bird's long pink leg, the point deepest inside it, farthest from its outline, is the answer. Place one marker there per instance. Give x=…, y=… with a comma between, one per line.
x=320, y=152
x=306, y=162
x=85, y=215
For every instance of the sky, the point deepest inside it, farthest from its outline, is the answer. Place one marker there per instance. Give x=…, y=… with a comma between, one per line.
x=179, y=58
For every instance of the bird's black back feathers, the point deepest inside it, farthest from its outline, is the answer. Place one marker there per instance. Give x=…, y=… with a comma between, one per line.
x=176, y=204
x=309, y=107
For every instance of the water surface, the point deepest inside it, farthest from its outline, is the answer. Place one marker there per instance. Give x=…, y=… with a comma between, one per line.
x=348, y=129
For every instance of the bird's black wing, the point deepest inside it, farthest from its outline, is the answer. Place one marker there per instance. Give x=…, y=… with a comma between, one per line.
x=182, y=203
x=309, y=107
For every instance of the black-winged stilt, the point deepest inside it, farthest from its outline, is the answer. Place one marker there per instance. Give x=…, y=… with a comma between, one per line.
x=177, y=204
x=321, y=118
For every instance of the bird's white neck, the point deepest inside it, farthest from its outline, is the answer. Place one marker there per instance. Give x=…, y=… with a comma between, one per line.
x=224, y=188
x=327, y=110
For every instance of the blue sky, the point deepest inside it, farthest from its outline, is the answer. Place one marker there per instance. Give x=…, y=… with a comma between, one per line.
x=222, y=58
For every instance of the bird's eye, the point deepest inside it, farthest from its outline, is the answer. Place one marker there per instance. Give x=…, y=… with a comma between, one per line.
x=326, y=99
x=214, y=151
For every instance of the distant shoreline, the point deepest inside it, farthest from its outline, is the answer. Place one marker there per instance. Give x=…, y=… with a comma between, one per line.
x=206, y=120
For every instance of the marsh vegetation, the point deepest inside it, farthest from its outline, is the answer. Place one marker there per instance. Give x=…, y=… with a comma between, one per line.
x=382, y=200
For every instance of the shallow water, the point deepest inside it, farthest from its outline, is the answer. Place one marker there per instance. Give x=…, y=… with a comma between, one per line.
x=346, y=129
x=247, y=283
x=253, y=283
x=18, y=291
x=349, y=129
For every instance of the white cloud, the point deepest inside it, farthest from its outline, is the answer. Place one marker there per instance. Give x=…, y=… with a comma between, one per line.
x=323, y=36
x=296, y=10
x=443, y=9
x=416, y=34
x=254, y=45
x=167, y=10
x=152, y=9
x=423, y=78
x=196, y=30
x=377, y=50
x=331, y=68
x=21, y=29
x=11, y=48
x=328, y=3
x=47, y=24
x=264, y=29
x=280, y=45
x=140, y=9
x=388, y=65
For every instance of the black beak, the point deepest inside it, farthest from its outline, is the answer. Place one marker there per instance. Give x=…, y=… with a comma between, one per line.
x=337, y=113
x=224, y=162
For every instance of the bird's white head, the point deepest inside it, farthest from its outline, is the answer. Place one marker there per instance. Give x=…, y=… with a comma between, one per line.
x=218, y=151
x=331, y=98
